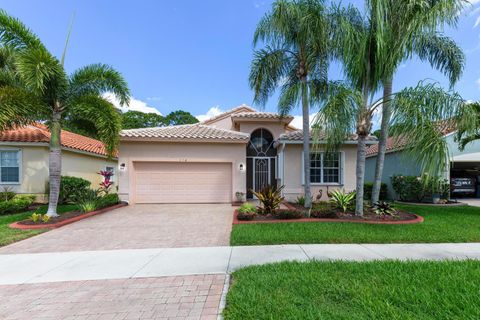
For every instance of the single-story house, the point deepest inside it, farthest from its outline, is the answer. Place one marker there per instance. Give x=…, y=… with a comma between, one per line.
x=24, y=159
x=237, y=151
x=463, y=164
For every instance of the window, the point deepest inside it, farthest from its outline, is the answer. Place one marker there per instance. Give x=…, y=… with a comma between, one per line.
x=111, y=169
x=325, y=167
x=9, y=166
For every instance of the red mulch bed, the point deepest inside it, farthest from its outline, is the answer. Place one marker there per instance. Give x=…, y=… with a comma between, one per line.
x=63, y=219
x=402, y=217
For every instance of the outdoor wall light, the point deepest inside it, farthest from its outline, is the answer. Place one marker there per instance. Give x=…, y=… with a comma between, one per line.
x=241, y=167
x=123, y=167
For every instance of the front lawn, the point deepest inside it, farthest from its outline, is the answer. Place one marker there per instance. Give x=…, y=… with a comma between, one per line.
x=356, y=290
x=442, y=224
x=9, y=235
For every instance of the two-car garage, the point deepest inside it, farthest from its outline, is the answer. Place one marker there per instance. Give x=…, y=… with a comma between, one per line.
x=184, y=182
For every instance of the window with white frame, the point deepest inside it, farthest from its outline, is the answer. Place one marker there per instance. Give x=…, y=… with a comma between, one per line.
x=111, y=169
x=325, y=167
x=9, y=166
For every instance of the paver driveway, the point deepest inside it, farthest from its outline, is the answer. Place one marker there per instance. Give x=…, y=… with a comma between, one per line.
x=138, y=227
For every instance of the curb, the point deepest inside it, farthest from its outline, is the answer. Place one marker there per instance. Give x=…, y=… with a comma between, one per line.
x=59, y=224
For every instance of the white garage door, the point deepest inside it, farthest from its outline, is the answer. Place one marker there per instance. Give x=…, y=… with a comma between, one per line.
x=167, y=182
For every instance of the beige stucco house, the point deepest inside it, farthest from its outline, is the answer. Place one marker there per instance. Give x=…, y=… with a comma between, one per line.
x=237, y=151
x=24, y=159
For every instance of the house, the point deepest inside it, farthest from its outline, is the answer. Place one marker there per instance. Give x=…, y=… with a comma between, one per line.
x=237, y=151
x=463, y=164
x=24, y=159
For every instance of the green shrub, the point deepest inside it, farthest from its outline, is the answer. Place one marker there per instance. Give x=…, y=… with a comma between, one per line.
x=87, y=206
x=368, y=187
x=383, y=208
x=342, y=200
x=288, y=214
x=270, y=196
x=72, y=189
x=88, y=201
x=7, y=194
x=17, y=204
x=247, y=208
x=416, y=189
x=107, y=200
x=300, y=200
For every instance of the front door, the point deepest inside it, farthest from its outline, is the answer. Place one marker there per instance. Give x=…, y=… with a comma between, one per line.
x=261, y=173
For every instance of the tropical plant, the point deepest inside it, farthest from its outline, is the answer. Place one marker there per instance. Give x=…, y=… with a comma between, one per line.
x=293, y=60
x=107, y=183
x=36, y=87
x=246, y=212
x=7, y=194
x=464, y=137
x=341, y=199
x=107, y=200
x=271, y=197
x=350, y=105
x=383, y=208
x=45, y=218
x=300, y=200
x=288, y=214
x=35, y=217
x=407, y=30
x=72, y=189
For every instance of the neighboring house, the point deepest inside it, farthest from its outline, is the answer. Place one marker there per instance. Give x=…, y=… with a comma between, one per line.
x=236, y=151
x=24, y=159
x=463, y=164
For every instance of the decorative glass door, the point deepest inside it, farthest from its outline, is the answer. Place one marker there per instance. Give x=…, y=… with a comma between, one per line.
x=261, y=173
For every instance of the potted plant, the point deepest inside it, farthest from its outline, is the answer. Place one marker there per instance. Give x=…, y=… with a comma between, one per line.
x=240, y=196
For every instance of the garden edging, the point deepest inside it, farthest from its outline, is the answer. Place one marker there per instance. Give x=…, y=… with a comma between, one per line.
x=17, y=225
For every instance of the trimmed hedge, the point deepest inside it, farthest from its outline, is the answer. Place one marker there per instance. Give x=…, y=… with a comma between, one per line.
x=72, y=189
x=367, y=191
x=17, y=204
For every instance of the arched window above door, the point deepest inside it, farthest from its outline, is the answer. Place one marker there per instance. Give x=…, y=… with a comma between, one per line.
x=261, y=144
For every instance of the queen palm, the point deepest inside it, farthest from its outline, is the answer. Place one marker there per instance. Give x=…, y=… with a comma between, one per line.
x=34, y=86
x=411, y=30
x=294, y=60
x=359, y=42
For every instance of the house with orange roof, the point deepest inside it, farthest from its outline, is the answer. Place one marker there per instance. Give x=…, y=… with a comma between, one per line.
x=24, y=159
x=228, y=155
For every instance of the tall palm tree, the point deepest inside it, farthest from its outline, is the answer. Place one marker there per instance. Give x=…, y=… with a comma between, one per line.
x=411, y=30
x=34, y=86
x=359, y=43
x=294, y=60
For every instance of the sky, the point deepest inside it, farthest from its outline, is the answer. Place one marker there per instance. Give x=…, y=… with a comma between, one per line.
x=195, y=55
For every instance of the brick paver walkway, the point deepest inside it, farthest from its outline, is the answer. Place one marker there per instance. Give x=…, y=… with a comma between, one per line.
x=181, y=297
x=138, y=227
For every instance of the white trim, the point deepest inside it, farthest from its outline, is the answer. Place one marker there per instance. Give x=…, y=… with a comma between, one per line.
x=20, y=166
x=368, y=142
x=112, y=178
x=341, y=173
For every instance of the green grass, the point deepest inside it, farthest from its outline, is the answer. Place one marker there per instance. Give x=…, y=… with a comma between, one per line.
x=445, y=224
x=353, y=290
x=9, y=235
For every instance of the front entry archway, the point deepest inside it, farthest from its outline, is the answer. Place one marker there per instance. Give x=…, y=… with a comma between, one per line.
x=261, y=161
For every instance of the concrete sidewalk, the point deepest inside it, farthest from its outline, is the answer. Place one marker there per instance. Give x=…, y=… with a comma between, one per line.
x=140, y=263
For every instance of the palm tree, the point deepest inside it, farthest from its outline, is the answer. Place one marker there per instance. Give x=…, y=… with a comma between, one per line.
x=293, y=60
x=34, y=86
x=359, y=43
x=411, y=30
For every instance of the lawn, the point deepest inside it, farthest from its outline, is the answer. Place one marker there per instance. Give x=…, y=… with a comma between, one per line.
x=9, y=235
x=354, y=290
x=445, y=224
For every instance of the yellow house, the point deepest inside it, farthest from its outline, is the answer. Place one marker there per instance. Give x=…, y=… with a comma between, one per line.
x=24, y=159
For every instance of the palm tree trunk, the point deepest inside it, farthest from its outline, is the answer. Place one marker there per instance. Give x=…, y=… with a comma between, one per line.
x=382, y=143
x=361, y=154
x=54, y=165
x=306, y=144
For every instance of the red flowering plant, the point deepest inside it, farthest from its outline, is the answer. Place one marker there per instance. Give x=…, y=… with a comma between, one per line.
x=107, y=183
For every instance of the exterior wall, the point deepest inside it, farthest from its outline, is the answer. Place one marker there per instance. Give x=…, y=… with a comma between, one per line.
x=234, y=153
x=396, y=163
x=276, y=128
x=292, y=172
x=34, y=169
x=225, y=123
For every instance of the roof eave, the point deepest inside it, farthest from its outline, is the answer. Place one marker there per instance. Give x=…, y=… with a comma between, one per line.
x=183, y=140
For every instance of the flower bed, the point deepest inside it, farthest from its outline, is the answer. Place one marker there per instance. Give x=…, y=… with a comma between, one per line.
x=402, y=217
x=63, y=219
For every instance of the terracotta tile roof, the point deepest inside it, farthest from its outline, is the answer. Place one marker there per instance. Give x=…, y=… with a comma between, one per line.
x=190, y=131
x=445, y=127
x=298, y=136
x=39, y=133
x=261, y=115
x=238, y=109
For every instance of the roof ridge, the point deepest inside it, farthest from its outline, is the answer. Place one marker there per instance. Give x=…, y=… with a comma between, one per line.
x=228, y=112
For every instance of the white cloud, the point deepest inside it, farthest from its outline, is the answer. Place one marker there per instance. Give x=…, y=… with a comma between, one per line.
x=297, y=121
x=134, y=105
x=212, y=112
x=478, y=83
x=154, y=98
x=259, y=4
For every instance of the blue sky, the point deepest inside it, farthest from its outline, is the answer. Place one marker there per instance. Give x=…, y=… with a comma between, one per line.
x=193, y=55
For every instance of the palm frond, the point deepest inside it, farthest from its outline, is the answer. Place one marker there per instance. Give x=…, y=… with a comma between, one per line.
x=15, y=34
x=420, y=113
x=99, y=78
x=18, y=107
x=102, y=114
x=442, y=53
